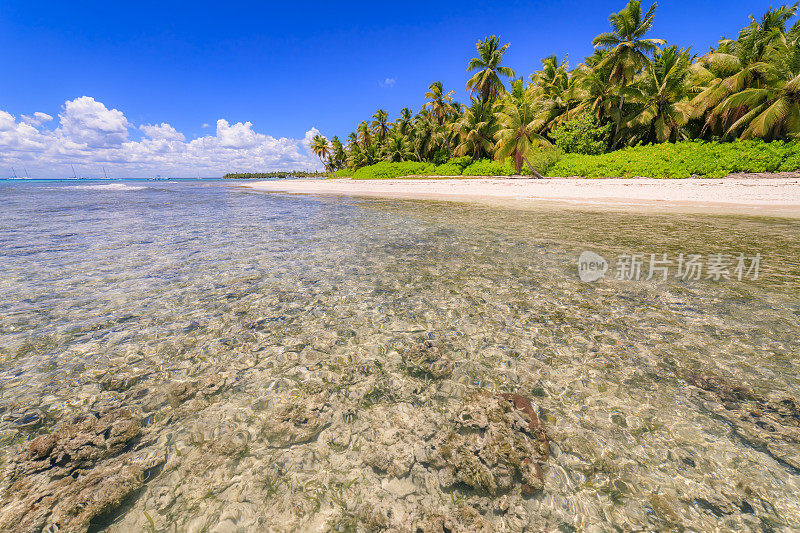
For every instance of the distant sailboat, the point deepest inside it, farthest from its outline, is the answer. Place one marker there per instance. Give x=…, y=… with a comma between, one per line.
x=26, y=172
x=74, y=175
x=104, y=172
x=14, y=172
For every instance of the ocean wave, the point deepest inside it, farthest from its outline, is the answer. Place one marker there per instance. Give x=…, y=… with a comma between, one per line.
x=107, y=187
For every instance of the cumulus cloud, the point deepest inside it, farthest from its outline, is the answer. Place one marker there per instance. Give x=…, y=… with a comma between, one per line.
x=87, y=121
x=37, y=119
x=162, y=132
x=90, y=135
x=238, y=136
x=388, y=82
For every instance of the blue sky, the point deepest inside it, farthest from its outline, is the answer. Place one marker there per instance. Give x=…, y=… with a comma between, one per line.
x=283, y=68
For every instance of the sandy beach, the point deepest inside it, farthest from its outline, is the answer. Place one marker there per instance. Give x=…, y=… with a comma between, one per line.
x=749, y=195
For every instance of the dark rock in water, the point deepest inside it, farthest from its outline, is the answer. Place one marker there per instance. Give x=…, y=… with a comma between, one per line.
x=78, y=472
x=498, y=442
x=768, y=424
x=542, y=441
x=298, y=420
x=426, y=359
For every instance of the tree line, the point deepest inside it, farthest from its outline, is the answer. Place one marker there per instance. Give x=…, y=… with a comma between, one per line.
x=633, y=90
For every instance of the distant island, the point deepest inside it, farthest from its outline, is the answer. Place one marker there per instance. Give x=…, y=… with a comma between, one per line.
x=277, y=174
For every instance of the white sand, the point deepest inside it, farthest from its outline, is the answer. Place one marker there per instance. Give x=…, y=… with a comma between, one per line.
x=778, y=196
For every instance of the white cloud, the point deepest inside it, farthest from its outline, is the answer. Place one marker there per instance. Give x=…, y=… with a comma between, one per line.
x=87, y=121
x=388, y=82
x=162, y=132
x=91, y=135
x=238, y=136
x=205, y=125
x=37, y=119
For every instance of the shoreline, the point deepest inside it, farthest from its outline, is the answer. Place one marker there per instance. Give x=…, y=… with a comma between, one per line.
x=753, y=195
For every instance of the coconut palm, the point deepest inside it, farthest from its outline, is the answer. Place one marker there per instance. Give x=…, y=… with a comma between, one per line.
x=338, y=156
x=404, y=122
x=517, y=127
x=748, y=71
x=380, y=124
x=488, y=69
x=428, y=136
x=770, y=111
x=398, y=148
x=364, y=134
x=440, y=105
x=475, y=130
x=556, y=90
x=628, y=48
x=321, y=148
x=593, y=91
x=660, y=97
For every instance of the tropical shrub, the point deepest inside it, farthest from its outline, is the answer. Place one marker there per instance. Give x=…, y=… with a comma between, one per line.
x=487, y=167
x=542, y=159
x=683, y=160
x=462, y=162
x=582, y=135
x=387, y=170
x=342, y=173
x=447, y=169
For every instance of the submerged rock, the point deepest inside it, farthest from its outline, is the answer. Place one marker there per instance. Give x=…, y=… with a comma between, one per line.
x=769, y=424
x=66, y=479
x=498, y=442
x=298, y=420
x=426, y=359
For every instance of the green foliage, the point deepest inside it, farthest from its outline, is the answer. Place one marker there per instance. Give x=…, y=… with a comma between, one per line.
x=582, y=135
x=487, y=167
x=386, y=170
x=683, y=160
x=542, y=159
x=447, y=169
x=342, y=173
x=462, y=162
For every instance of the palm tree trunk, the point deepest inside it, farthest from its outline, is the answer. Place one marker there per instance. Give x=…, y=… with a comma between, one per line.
x=619, y=121
x=533, y=169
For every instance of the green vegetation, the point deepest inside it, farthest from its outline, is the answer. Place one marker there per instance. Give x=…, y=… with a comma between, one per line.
x=582, y=135
x=279, y=174
x=388, y=170
x=684, y=159
x=634, y=97
x=341, y=173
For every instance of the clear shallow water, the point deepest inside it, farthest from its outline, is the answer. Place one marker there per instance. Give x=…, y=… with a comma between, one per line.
x=274, y=349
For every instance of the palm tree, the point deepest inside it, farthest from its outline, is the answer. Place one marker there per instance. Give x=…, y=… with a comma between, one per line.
x=475, y=130
x=628, y=48
x=321, y=148
x=404, y=121
x=397, y=148
x=338, y=156
x=771, y=109
x=381, y=124
x=660, y=98
x=364, y=134
x=752, y=75
x=517, y=127
x=593, y=90
x=427, y=135
x=487, y=67
x=556, y=91
x=440, y=104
